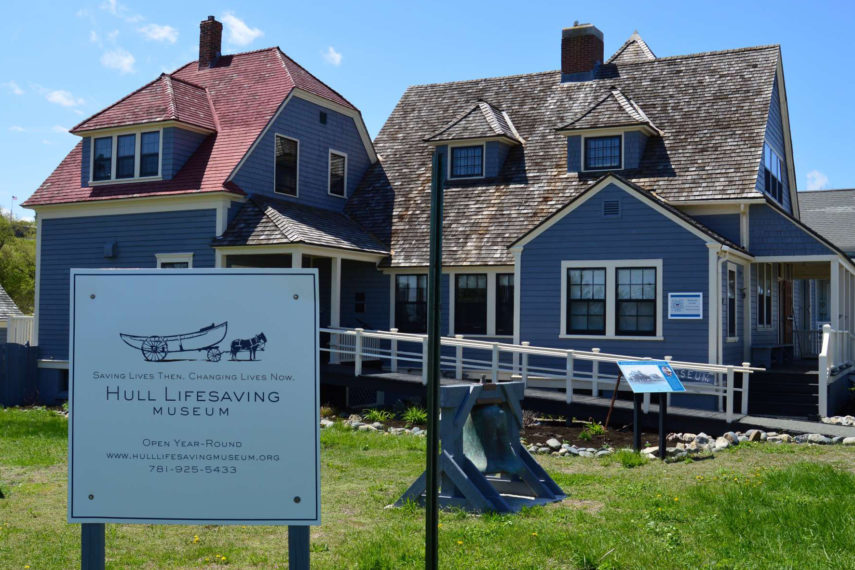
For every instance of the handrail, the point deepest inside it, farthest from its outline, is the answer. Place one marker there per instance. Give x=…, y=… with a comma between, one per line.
x=835, y=361
x=350, y=345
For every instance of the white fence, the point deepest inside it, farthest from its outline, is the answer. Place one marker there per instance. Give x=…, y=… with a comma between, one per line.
x=538, y=367
x=835, y=361
x=19, y=330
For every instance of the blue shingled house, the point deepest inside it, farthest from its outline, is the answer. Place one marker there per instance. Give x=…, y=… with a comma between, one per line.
x=642, y=205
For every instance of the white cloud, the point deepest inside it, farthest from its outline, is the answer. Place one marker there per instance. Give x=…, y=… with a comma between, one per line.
x=63, y=97
x=59, y=129
x=118, y=59
x=332, y=57
x=239, y=33
x=17, y=129
x=93, y=37
x=160, y=33
x=120, y=11
x=816, y=180
x=13, y=87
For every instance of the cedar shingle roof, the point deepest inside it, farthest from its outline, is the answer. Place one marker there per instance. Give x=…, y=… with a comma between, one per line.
x=8, y=308
x=633, y=50
x=267, y=221
x=243, y=92
x=614, y=110
x=712, y=109
x=831, y=213
x=482, y=120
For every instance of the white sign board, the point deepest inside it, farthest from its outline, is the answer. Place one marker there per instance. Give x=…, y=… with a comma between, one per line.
x=194, y=397
x=685, y=305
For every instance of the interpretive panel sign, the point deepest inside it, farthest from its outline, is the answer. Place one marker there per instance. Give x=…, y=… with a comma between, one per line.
x=194, y=397
x=650, y=376
x=685, y=305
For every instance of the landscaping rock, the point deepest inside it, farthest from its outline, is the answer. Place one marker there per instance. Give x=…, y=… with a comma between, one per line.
x=416, y=430
x=603, y=452
x=354, y=424
x=702, y=439
x=553, y=444
x=731, y=437
x=837, y=439
x=325, y=423
x=688, y=437
x=848, y=441
x=354, y=418
x=721, y=443
x=543, y=450
x=818, y=439
x=366, y=427
x=377, y=425
x=786, y=438
x=585, y=453
x=755, y=435
x=652, y=450
x=572, y=450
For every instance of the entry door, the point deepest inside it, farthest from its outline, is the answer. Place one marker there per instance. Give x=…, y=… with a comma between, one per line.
x=785, y=311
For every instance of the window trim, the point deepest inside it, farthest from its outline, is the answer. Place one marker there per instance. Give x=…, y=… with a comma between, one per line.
x=465, y=144
x=600, y=136
x=732, y=326
x=393, y=307
x=329, y=172
x=611, y=266
x=492, y=286
x=297, y=180
x=453, y=291
x=174, y=258
x=114, y=136
x=770, y=267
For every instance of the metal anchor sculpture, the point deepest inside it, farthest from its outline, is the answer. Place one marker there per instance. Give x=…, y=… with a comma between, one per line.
x=483, y=466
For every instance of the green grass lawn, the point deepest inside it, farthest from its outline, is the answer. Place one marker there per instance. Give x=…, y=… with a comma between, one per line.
x=757, y=506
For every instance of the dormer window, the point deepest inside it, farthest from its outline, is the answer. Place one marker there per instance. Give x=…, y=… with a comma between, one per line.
x=126, y=157
x=603, y=153
x=467, y=162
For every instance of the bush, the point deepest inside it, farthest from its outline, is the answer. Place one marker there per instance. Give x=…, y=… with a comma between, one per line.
x=415, y=416
x=377, y=415
x=629, y=458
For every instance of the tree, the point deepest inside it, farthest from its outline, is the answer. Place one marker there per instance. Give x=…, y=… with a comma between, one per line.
x=18, y=261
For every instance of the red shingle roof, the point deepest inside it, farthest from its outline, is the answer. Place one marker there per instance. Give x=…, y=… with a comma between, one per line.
x=237, y=98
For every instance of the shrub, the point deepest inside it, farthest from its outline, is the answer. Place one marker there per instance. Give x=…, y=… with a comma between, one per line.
x=377, y=415
x=629, y=458
x=415, y=415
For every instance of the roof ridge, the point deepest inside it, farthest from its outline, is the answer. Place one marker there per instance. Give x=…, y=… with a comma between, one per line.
x=105, y=109
x=263, y=206
x=279, y=55
x=826, y=191
x=315, y=77
x=704, y=54
x=190, y=83
x=170, y=97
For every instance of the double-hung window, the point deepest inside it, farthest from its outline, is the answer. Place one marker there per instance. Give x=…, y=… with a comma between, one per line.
x=102, y=161
x=126, y=157
x=773, y=173
x=470, y=303
x=338, y=174
x=287, y=155
x=731, y=302
x=411, y=303
x=764, y=295
x=603, y=153
x=612, y=298
x=505, y=304
x=467, y=161
x=149, y=153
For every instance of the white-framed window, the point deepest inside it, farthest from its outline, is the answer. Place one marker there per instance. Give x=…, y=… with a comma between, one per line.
x=765, y=279
x=174, y=260
x=126, y=157
x=619, y=299
x=286, y=165
x=731, y=302
x=410, y=296
x=773, y=168
x=602, y=152
x=466, y=161
x=337, y=174
x=481, y=302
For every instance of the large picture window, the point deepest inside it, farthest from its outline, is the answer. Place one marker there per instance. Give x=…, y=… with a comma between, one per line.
x=586, y=301
x=467, y=161
x=470, y=303
x=764, y=295
x=411, y=303
x=603, y=153
x=287, y=154
x=504, y=304
x=612, y=298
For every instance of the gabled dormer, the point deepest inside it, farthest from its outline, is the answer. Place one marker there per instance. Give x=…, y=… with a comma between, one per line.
x=609, y=136
x=148, y=135
x=476, y=141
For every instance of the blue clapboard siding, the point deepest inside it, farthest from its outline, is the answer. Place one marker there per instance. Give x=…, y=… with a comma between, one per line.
x=640, y=233
x=361, y=277
x=574, y=154
x=774, y=234
x=300, y=120
x=178, y=146
x=725, y=225
x=775, y=139
x=79, y=242
x=496, y=153
x=732, y=351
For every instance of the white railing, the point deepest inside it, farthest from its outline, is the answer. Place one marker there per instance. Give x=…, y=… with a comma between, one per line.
x=538, y=367
x=835, y=361
x=19, y=330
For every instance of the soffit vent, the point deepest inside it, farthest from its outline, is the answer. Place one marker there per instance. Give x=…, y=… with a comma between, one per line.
x=611, y=208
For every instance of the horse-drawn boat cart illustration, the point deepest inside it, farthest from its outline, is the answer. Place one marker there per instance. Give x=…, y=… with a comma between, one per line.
x=155, y=348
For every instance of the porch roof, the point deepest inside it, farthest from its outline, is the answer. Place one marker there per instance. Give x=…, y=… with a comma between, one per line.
x=264, y=220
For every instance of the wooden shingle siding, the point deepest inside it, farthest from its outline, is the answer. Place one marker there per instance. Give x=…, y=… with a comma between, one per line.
x=574, y=154
x=495, y=158
x=178, y=146
x=775, y=139
x=640, y=233
x=79, y=242
x=361, y=277
x=773, y=234
x=300, y=120
x=726, y=225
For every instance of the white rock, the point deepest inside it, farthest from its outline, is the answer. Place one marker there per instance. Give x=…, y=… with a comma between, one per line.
x=731, y=437
x=786, y=438
x=377, y=425
x=848, y=441
x=325, y=423
x=721, y=443
x=818, y=438
x=553, y=444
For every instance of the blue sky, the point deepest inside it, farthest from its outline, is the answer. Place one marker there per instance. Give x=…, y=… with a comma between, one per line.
x=62, y=62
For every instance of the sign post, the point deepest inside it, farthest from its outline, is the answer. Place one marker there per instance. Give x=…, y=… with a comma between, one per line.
x=650, y=376
x=194, y=399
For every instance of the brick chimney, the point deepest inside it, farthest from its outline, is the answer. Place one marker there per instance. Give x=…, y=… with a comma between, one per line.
x=581, y=51
x=211, y=40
